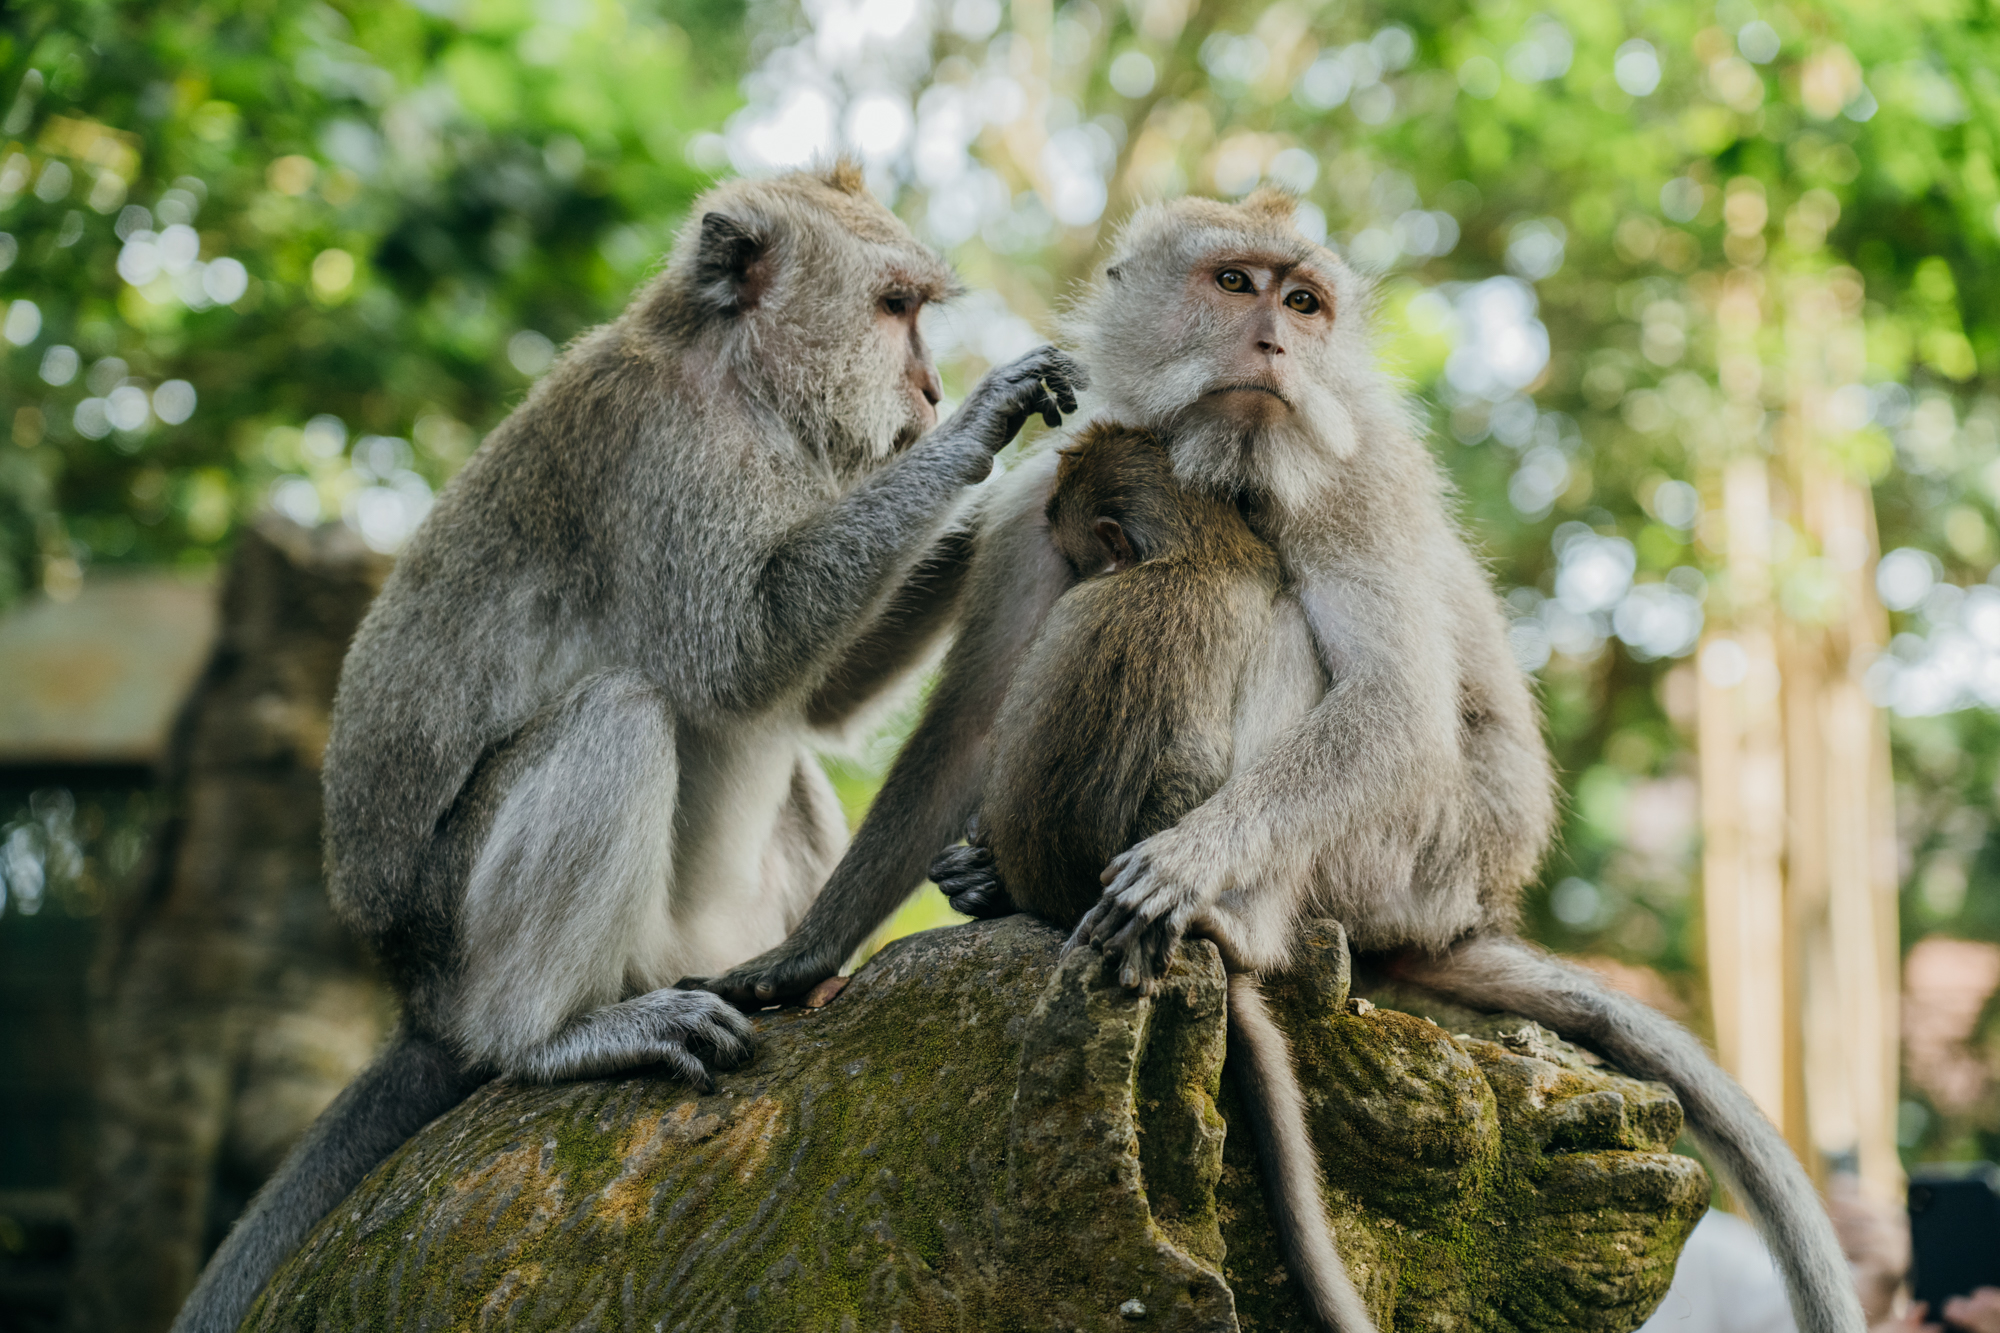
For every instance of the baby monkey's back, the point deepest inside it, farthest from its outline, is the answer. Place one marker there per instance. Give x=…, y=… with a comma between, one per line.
x=1119, y=720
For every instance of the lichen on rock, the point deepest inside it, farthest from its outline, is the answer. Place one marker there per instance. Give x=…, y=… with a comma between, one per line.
x=980, y=1134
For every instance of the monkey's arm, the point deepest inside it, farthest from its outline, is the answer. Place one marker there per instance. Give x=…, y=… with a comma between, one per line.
x=822, y=577
x=918, y=612
x=1372, y=775
x=933, y=787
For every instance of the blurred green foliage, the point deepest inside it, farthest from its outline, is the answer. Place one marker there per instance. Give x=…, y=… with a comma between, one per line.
x=408, y=197
x=425, y=199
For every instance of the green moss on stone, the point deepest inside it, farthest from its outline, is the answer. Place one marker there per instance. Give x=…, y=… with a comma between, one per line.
x=974, y=1136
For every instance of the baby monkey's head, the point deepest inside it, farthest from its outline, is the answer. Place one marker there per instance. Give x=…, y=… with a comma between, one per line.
x=1112, y=505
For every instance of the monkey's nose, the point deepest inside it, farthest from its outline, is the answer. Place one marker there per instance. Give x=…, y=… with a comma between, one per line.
x=933, y=386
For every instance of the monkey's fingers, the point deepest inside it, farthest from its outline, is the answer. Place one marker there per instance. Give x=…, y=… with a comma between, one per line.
x=687, y=1067
x=1065, y=377
x=1086, y=932
x=1143, y=949
x=722, y=1036
x=1128, y=872
x=770, y=978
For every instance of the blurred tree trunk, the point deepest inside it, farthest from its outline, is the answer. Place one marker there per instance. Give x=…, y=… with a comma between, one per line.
x=1799, y=866
x=228, y=1007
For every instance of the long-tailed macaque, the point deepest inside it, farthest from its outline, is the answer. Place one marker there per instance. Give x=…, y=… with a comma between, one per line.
x=571, y=751
x=1122, y=717
x=1411, y=800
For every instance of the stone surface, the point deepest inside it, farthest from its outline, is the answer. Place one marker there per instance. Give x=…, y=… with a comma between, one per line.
x=976, y=1135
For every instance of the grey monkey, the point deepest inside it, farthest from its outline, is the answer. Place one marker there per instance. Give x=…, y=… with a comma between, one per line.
x=570, y=758
x=1121, y=718
x=1406, y=791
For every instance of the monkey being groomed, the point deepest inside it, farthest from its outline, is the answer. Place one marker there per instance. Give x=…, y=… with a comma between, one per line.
x=571, y=752
x=1384, y=763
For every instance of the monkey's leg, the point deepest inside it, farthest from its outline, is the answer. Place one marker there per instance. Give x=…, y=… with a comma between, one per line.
x=1503, y=973
x=570, y=896
x=934, y=784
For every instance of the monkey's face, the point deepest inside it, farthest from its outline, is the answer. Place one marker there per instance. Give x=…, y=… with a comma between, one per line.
x=808, y=292
x=902, y=346
x=1241, y=342
x=1255, y=315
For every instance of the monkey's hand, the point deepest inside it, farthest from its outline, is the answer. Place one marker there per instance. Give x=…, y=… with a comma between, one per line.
x=966, y=875
x=1043, y=383
x=1152, y=893
x=778, y=976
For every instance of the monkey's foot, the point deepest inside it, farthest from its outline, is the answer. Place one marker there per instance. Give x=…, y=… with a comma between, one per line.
x=690, y=1032
x=965, y=874
x=773, y=977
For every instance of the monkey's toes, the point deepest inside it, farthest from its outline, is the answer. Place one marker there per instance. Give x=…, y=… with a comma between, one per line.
x=960, y=861
x=982, y=902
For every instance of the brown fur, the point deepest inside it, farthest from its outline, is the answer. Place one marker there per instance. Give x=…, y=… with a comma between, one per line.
x=1119, y=721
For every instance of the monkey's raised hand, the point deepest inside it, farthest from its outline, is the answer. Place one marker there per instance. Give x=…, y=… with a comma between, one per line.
x=1152, y=893
x=1043, y=383
x=964, y=873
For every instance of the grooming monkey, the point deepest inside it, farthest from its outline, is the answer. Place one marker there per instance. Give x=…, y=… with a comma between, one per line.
x=570, y=757
x=1411, y=798
x=1120, y=719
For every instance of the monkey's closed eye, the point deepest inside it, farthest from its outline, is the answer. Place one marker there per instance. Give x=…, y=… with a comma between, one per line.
x=1303, y=301
x=1234, y=280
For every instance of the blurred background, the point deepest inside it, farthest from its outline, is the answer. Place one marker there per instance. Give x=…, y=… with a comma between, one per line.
x=1691, y=295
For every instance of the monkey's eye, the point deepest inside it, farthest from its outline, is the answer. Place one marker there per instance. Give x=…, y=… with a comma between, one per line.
x=897, y=305
x=1233, y=280
x=1303, y=301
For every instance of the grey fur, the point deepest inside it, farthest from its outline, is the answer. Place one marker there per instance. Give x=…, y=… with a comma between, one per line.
x=1412, y=801
x=570, y=759
x=1277, y=1113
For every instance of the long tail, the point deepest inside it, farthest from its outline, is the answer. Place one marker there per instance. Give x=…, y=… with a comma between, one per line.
x=410, y=1084
x=1499, y=972
x=1277, y=1110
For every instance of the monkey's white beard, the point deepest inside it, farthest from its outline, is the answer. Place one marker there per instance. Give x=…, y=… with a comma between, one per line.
x=1293, y=461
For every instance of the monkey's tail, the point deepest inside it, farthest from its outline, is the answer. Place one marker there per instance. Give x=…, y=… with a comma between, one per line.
x=410, y=1084
x=1277, y=1112
x=1499, y=972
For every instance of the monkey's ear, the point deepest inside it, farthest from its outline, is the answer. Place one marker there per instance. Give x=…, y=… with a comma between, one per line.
x=1111, y=533
x=732, y=264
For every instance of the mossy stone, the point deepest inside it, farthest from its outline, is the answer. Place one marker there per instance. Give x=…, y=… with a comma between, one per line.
x=981, y=1134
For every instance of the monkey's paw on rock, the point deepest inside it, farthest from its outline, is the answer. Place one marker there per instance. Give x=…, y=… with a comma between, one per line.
x=980, y=1136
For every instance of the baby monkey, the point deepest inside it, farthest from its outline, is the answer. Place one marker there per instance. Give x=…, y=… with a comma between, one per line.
x=1120, y=720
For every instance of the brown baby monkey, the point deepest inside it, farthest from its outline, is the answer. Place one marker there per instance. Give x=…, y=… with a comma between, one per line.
x=1122, y=718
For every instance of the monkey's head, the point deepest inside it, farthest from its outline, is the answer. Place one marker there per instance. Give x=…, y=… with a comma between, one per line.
x=1243, y=343
x=1110, y=507
x=806, y=291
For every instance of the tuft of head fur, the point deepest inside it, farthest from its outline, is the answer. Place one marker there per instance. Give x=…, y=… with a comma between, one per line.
x=845, y=174
x=779, y=282
x=1154, y=354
